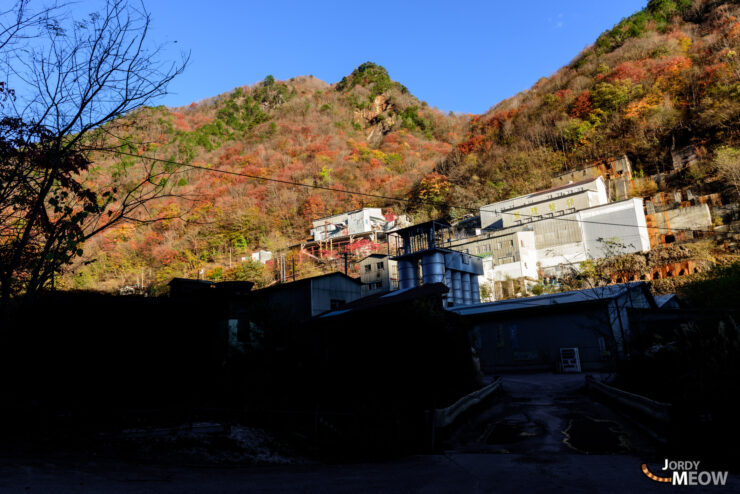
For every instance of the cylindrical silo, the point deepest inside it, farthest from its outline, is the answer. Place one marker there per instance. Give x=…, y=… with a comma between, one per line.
x=406, y=274
x=457, y=295
x=466, y=289
x=475, y=288
x=433, y=268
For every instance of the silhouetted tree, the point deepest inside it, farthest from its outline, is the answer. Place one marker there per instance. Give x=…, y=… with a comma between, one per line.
x=65, y=79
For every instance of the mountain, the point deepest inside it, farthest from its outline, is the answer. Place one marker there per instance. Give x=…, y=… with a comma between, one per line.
x=366, y=133
x=662, y=81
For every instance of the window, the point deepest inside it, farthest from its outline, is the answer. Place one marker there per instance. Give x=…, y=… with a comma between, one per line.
x=336, y=303
x=368, y=268
x=380, y=265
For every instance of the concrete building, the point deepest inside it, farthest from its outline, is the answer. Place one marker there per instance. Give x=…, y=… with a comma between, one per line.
x=303, y=299
x=603, y=231
x=261, y=256
x=356, y=222
x=678, y=224
x=378, y=273
x=505, y=256
x=528, y=334
x=423, y=260
x=544, y=204
x=557, y=245
x=617, y=174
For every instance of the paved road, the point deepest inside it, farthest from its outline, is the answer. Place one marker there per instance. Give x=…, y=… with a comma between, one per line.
x=518, y=446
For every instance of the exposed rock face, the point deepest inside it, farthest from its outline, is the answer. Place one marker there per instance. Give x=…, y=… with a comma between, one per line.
x=378, y=119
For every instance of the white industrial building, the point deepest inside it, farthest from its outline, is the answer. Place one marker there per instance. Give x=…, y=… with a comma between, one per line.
x=544, y=204
x=549, y=233
x=564, y=242
x=356, y=222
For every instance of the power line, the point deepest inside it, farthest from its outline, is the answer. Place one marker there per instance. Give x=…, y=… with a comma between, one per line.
x=387, y=198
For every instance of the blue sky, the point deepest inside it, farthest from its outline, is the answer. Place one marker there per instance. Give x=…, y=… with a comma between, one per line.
x=457, y=55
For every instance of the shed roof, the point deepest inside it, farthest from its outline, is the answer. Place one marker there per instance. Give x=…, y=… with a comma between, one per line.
x=375, y=256
x=305, y=281
x=388, y=298
x=667, y=299
x=589, y=295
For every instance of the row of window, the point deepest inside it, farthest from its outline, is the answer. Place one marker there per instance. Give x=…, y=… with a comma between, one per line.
x=369, y=267
x=530, y=219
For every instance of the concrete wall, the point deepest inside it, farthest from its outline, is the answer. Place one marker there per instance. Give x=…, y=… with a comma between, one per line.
x=676, y=224
x=618, y=228
x=377, y=269
x=327, y=288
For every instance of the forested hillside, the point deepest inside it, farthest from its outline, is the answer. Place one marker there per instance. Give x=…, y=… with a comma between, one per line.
x=664, y=78
x=365, y=133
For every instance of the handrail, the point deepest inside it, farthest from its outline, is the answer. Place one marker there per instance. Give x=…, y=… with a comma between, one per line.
x=442, y=417
x=656, y=410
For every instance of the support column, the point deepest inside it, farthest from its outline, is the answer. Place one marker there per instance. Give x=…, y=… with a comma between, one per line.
x=433, y=268
x=407, y=274
x=475, y=288
x=466, y=289
x=457, y=293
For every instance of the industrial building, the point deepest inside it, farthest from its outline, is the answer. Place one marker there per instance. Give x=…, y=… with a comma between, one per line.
x=529, y=333
x=303, y=299
x=423, y=260
x=544, y=204
x=378, y=274
x=356, y=222
x=549, y=233
x=616, y=171
x=612, y=229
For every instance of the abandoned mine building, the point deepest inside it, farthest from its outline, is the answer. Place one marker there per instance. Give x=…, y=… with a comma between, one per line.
x=529, y=333
x=378, y=274
x=303, y=299
x=424, y=259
